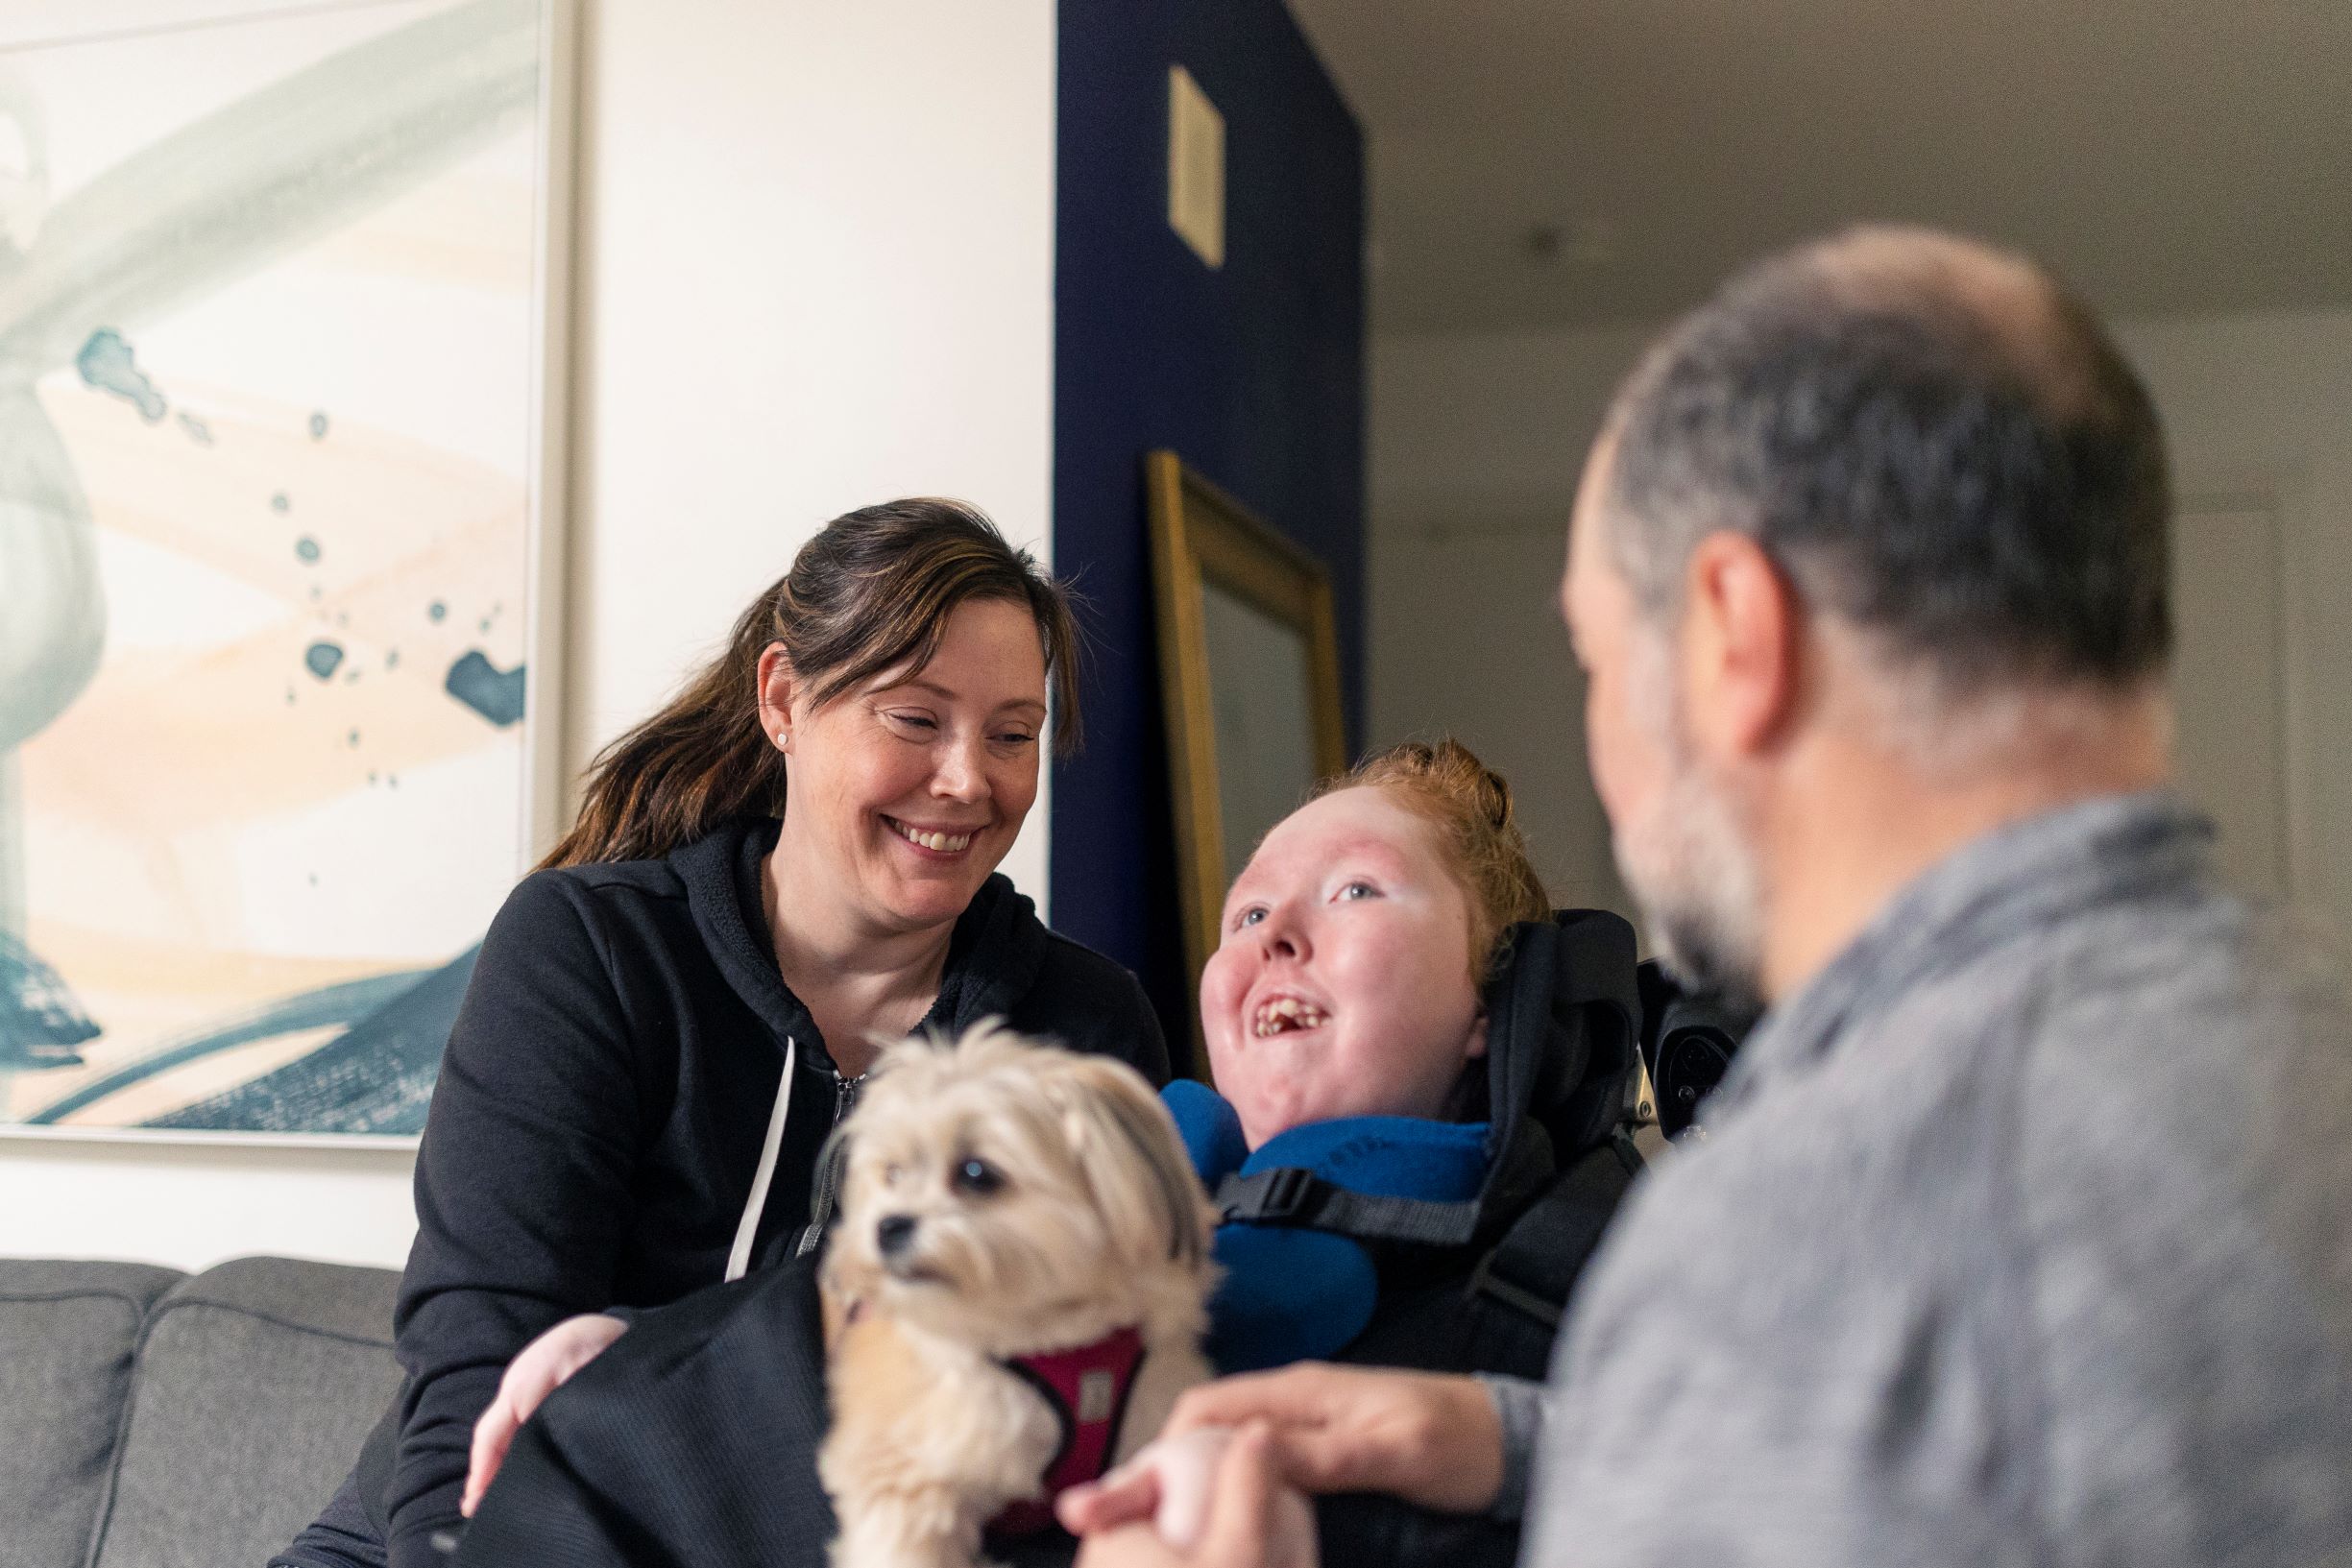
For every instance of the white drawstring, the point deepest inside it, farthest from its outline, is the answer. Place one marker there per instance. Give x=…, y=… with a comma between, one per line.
x=738, y=1257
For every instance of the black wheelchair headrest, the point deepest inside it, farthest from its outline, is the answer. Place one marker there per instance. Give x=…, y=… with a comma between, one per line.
x=1563, y=1020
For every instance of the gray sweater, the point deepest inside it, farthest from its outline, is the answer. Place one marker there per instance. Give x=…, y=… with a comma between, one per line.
x=2023, y=1234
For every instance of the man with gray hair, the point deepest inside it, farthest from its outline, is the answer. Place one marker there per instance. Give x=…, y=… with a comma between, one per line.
x=2021, y=1230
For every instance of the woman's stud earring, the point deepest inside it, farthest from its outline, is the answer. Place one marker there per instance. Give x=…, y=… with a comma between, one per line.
x=782, y=738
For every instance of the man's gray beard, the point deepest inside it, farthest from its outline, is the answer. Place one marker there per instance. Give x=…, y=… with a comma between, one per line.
x=1696, y=880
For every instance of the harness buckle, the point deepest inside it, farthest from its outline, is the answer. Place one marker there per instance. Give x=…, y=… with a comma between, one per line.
x=1287, y=1191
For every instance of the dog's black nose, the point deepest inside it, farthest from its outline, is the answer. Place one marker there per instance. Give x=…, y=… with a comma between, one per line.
x=892, y=1232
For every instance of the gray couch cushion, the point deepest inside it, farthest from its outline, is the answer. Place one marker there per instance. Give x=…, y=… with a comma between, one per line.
x=257, y=1383
x=67, y=1332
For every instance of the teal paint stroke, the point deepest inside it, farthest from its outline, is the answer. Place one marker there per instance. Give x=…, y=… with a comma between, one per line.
x=107, y=364
x=496, y=694
x=324, y=1008
x=375, y=1077
x=40, y=1019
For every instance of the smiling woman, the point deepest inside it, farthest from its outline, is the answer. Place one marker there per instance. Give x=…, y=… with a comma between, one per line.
x=901, y=794
x=793, y=860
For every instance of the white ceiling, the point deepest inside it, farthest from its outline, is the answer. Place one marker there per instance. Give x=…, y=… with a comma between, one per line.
x=2169, y=156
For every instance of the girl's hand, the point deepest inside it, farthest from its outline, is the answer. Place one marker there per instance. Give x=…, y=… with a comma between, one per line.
x=1254, y=1519
x=542, y=1367
x=1168, y=1482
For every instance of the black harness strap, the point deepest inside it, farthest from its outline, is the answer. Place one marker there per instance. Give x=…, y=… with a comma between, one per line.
x=1535, y=1263
x=1293, y=1196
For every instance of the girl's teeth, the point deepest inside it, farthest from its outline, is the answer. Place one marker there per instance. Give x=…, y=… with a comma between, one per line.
x=949, y=842
x=1273, y=1014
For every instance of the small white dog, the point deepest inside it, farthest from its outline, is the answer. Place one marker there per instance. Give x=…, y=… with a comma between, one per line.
x=1015, y=1291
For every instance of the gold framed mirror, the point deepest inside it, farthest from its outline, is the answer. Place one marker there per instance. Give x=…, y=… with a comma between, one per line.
x=1249, y=674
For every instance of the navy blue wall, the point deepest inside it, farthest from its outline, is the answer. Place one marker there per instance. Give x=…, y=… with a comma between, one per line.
x=1253, y=373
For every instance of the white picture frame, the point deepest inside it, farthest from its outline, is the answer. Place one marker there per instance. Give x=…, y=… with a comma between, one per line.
x=417, y=155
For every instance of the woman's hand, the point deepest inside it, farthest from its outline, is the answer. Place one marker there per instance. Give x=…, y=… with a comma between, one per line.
x=1255, y=1518
x=543, y=1366
x=1431, y=1438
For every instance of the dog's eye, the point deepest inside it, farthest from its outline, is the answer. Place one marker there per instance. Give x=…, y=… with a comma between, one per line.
x=976, y=1176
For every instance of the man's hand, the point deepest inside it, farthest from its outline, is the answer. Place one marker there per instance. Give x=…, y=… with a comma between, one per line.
x=1430, y=1439
x=530, y=1378
x=1255, y=1520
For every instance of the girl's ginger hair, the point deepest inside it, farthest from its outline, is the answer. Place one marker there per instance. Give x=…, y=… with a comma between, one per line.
x=1468, y=806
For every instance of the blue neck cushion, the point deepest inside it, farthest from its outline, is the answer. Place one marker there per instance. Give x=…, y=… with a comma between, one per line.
x=1293, y=1294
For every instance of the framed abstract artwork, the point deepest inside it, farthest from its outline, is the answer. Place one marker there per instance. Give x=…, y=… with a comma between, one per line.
x=1250, y=680
x=281, y=299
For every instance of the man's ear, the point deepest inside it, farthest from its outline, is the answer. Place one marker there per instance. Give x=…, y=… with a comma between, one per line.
x=1476, y=1046
x=777, y=690
x=1740, y=636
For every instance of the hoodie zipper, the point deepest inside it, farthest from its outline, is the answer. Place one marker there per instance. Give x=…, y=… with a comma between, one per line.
x=829, y=1175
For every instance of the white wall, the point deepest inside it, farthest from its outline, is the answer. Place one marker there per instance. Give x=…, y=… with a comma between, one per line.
x=1476, y=443
x=815, y=270
x=2259, y=410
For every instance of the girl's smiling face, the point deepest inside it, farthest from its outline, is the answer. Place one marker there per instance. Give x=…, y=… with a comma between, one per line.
x=1341, y=985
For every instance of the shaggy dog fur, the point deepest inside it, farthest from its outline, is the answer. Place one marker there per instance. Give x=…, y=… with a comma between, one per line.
x=999, y=1199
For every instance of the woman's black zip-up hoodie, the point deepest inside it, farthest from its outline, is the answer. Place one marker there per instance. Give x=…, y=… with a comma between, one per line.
x=605, y=1103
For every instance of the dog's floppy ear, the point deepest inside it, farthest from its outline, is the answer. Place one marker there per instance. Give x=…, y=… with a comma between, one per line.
x=1136, y=1163
x=899, y=1055
x=834, y=1271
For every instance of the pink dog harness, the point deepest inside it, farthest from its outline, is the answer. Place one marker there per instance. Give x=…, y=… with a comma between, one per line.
x=1088, y=1387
